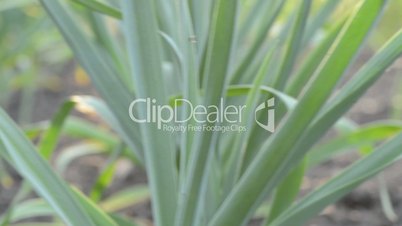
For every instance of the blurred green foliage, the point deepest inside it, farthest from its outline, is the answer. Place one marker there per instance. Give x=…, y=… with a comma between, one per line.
x=28, y=58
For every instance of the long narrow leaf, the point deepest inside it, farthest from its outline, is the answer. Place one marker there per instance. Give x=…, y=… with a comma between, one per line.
x=35, y=169
x=100, y=7
x=144, y=48
x=50, y=138
x=367, y=135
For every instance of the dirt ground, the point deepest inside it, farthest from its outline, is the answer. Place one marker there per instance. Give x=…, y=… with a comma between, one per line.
x=360, y=208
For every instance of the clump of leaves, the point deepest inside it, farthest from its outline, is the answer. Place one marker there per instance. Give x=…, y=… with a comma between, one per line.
x=204, y=51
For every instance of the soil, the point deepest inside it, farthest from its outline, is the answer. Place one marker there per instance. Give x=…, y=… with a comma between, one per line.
x=360, y=208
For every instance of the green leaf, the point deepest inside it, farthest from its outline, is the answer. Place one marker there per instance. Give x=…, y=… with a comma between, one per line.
x=145, y=54
x=106, y=176
x=12, y=4
x=50, y=138
x=126, y=198
x=201, y=19
x=305, y=72
x=31, y=208
x=105, y=38
x=367, y=135
x=386, y=202
x=287, y=192
x=38, y=208
x=166, y=15
x=98, y=216
x=100, y=7
x=21, y=153
x=77, y=151
x=23, y=192
x=78, y=128
x=242, y=90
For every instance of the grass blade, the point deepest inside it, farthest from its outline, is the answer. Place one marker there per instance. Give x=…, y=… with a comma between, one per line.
x=286, y=192
x=31, y=208
x=367, y=135
x=74, y=152
x=303, y=75
x=126, y=198
x=22, y=154
x=106, y=175
x=144, y=47
x=100, y=7
x=49, y=140
x=99, y=217
x=200, y=12
x=386, y=201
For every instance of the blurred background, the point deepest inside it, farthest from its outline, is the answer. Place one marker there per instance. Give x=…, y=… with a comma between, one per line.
x=38, y=73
